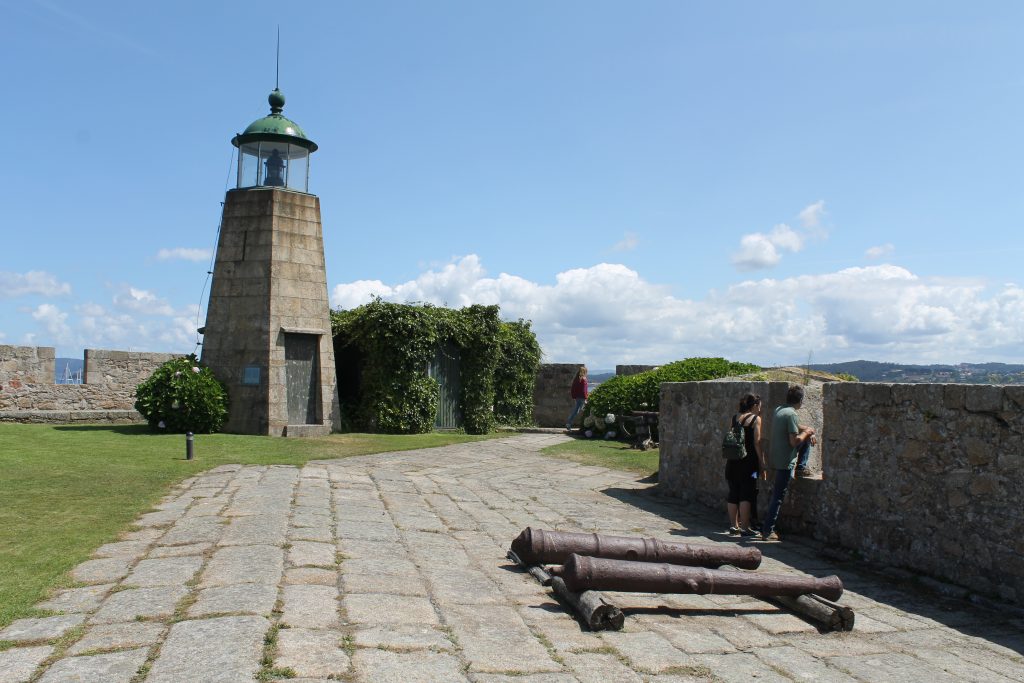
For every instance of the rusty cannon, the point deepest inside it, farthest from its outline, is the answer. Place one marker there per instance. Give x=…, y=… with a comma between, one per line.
x=594, y=573
x=540, y=546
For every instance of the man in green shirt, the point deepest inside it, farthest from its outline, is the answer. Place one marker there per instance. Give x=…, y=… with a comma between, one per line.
x=789, y=439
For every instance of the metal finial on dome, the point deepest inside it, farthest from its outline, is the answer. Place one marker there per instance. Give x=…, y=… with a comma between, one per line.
x=276, y=101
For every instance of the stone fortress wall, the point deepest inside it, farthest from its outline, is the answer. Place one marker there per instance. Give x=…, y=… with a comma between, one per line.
x=107, y=394
x=927, y=477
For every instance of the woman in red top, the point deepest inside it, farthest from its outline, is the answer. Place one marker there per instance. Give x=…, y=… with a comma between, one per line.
x=578, y=393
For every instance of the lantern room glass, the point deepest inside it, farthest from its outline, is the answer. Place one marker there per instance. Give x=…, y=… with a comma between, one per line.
x=265, y=163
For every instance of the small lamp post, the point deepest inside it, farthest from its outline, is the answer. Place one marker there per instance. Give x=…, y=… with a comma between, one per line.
x=189, y=448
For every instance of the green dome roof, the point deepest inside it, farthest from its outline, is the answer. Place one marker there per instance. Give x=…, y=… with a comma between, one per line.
x=275, y=127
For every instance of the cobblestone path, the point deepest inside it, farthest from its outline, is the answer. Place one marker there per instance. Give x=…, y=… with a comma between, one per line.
x=392, y=567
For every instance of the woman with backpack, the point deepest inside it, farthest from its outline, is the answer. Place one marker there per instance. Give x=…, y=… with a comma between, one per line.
x=741, y=474
x=578, y=392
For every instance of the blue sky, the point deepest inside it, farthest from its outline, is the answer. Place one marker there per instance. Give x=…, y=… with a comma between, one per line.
x=646, y=181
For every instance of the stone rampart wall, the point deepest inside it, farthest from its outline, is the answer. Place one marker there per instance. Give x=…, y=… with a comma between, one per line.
x=923, y=476
x=27, y=364
x=28, y=392
x=551, y=400
x=103, y=366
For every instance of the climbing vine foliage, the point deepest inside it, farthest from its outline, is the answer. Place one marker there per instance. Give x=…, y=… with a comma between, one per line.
x=383, y=351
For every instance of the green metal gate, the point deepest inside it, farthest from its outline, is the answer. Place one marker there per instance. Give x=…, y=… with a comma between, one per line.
x=445, y=369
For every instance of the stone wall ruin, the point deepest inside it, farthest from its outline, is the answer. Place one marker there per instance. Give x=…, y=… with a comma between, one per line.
x=926, y=477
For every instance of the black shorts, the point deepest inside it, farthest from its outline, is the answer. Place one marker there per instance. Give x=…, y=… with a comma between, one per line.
x=741, y=489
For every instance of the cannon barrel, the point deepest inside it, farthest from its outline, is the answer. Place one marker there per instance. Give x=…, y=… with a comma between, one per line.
x=594, y=573
x=540, y=546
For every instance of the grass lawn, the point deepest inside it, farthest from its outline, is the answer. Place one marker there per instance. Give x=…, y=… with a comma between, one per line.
x=67, y=489
x=614, y=455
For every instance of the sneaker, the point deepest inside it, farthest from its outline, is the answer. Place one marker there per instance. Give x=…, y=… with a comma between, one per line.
x=749, y=533
x=734, y=531
x=803, y=473
x=770, y=537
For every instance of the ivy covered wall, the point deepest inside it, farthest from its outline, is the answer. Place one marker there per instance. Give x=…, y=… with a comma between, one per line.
x=382, y=351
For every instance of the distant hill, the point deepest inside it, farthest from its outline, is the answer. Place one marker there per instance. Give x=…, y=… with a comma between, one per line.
x=963, y=373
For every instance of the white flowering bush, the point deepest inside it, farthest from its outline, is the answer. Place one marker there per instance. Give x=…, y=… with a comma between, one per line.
x=182, y=396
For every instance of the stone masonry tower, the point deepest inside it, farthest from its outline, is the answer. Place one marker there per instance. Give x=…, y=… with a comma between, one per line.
x=268, y=326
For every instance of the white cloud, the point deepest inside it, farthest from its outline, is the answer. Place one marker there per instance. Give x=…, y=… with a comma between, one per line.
x=879, y=251
x=53, y=320
x=184, y=254
x=785, y=237
x=627, y=243
x=811, y=215
x=129, y=298
x=14, y=285
x=591, y=314
x=756, y=251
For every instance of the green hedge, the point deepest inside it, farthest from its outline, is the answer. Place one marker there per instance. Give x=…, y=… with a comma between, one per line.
x=622, y=394
x=395, y=343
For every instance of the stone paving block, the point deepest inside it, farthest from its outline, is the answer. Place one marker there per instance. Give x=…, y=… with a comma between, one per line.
x=130, y=549
x=160, y=518
x=529, y=678
x=118, y=636
x=318, y=534
x=180, y=550
x=221, y=650
x=257, y=529
x=357, y=549
x=112, y=667
x=307, y=554
x=194, y=530
x=693, y=639
x=242, y=598
x=834, y=644
x=311, y=576
x=243, y=564
x=1012, y=668
x=647, y=651
x=592, y=667
x=781, y=622
x=800, y=665
x=387, y=565
x=495, y=639
x=381, y=666
x=741, y=633
x=398, y=637
x=966, y=670
x=464, y=587
x=894, y=667
x=564, y=633
x=164, y=571
x=84, y=599
x=151, y=603
x=311, y=652
x=310, y=606
x=370, y=531
x=377, y=609
x=150, y=535
x=40, y=628
x=106, y=570
x=18, y=664
x=383, y=583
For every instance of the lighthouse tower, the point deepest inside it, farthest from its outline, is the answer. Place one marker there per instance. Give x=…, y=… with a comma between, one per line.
x=268, y=328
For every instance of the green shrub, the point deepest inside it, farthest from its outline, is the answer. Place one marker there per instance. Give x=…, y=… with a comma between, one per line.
x=625, y=393
x=181, y=396
x=847, y=377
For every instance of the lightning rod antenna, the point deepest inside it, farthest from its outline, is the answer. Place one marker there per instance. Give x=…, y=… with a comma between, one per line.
x=277, y=72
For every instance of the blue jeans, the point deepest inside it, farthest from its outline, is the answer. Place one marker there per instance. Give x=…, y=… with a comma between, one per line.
x=779, y=488
x=803, y=455
x=575, y=411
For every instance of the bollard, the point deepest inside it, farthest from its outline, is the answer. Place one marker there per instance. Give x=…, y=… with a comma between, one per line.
x=188, y=445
